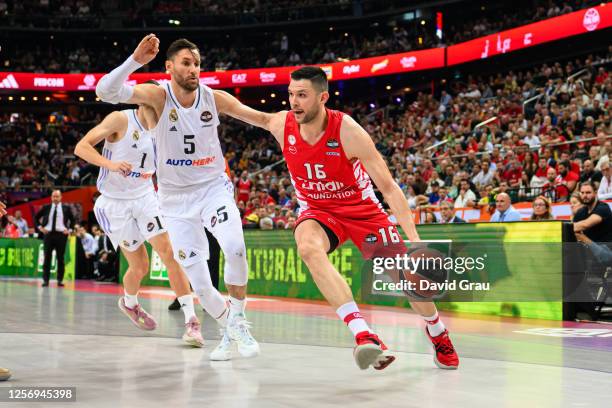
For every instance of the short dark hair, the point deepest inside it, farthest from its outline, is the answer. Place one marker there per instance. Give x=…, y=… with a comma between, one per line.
x=178, y=45
x=587, y=183
x=565, y=164
x=314, y=74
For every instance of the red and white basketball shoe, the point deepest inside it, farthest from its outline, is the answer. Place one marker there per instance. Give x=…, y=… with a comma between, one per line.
x=371, y=351
x=445, y=355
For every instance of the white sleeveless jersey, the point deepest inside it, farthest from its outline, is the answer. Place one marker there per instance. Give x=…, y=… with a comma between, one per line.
x=137, y=148
x=188, y=148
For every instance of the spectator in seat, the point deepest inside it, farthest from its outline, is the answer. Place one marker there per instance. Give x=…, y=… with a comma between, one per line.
x=429, y=218
x=575, y=203
x=434, y=195
x=449, y=172
x=605, y=185
x=281, y=219
x=291, y=220
x=512, y=172
x=531, y=140
x=604, y=154
x=485, y=176
x=21, y=224
x=283, y=198
x=444, y=197
x=107, y=260
x=10, y=230
x=435, y=178
x=589, y=173
x=447, y=214
x=266, y=223
x=89, y=247
x=539, y=179
x=542, y=210
x=573, y=165
x=465, y=197
x=542, y=168
x=483, y=193
x=567, y=177
x=595, y=218
x=265, y=198
x=504, y=211
x=552, y=189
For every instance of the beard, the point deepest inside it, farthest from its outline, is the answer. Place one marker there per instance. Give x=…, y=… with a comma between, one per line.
x=587, y=201
x=186, y=84
x=309, y=116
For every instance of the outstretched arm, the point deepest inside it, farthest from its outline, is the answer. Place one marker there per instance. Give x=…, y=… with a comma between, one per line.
x=112, y=88
x=358, y=145
x=114, y=123
x=230, y=105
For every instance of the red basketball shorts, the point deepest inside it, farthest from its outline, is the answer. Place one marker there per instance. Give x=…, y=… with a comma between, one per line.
x=367, y=225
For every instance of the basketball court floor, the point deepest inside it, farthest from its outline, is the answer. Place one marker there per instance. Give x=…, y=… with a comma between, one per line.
x=76, y=336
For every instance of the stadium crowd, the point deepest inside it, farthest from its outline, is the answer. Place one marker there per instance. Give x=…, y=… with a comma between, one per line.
x=258, y=49
x=432, y=144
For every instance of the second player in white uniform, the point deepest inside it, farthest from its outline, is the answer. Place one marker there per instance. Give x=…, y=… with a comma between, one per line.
x=127, y=210
x=129, y=213
x=194, y=191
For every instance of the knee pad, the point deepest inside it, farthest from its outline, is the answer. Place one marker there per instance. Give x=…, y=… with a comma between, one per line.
x=199, y=275
x=236, y=270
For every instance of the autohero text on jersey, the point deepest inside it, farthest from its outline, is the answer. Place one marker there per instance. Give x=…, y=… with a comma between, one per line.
x=205, y=161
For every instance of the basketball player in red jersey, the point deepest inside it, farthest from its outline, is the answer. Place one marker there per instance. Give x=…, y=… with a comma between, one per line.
x=330, y=159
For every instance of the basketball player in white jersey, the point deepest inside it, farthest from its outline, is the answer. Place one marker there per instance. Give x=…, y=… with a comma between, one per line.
x=129, y=214
x=194, y=191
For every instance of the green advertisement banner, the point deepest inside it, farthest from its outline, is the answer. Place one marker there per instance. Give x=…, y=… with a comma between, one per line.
x=24, y=257
x=275, y=269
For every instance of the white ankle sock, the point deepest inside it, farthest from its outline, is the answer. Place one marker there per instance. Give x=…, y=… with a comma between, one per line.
x=130, y=300
x=349, y=313
x=435, y=327
x=186, y=302
x=236, y=306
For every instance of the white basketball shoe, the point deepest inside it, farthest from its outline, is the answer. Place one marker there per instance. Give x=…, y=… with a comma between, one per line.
x=238, y=331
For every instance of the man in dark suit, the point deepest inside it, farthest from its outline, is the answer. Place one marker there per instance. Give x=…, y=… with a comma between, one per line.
x=107, y=260
x=447, y=213
x=54, y=221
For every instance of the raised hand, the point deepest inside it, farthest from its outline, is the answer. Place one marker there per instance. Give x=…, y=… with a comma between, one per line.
x=2, y=209
x=147, y=49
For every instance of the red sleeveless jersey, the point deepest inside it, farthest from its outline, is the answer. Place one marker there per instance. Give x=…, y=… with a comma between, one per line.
x=244, y=190
x=323, y=177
